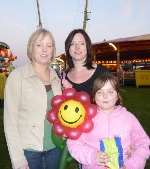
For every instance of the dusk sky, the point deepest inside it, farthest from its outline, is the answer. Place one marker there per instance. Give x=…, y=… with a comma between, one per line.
x=109, y=19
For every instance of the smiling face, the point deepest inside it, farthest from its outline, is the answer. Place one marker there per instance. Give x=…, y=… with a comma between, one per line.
x=78, y=49
x=42, y=50
x=71, y=113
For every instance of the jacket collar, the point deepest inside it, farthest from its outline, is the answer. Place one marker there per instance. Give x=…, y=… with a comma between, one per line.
x=29, y=72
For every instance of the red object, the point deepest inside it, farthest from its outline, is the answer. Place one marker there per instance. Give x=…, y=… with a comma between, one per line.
x=71, y=113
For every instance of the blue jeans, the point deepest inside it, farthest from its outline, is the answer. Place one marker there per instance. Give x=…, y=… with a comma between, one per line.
x=43, y=160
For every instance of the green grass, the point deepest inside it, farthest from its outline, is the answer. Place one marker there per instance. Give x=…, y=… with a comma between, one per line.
x=4, y=160
x=135, y=99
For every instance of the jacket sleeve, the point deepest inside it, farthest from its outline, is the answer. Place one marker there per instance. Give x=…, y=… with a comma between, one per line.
x=11, y=111
x=56, y=83
x=83, y=153
x=140, y=146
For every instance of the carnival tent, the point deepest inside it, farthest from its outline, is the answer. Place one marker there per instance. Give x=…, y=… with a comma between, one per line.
x=131, y=48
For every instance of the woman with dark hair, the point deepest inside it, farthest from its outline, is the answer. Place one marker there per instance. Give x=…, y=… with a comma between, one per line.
x=81, y=71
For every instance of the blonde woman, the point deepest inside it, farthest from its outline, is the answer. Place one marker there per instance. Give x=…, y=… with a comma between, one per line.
x=28, y=92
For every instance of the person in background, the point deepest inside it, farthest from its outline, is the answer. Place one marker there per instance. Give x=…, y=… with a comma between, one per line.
x=117, y=141
x=28, y=93
x=81, y=71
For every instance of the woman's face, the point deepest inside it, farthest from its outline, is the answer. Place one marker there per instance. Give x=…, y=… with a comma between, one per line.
x=78, y=50
x=42, y=50
x=106, y=97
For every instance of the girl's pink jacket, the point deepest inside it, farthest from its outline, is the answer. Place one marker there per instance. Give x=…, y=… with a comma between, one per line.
x=135, y=141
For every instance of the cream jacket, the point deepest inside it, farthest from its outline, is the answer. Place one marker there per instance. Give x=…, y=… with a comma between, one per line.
x=25, y=104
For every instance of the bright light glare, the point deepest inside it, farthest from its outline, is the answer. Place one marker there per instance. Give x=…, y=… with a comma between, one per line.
x=114, y=47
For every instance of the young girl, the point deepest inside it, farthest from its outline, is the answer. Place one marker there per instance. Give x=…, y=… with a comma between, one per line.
x=117, y=140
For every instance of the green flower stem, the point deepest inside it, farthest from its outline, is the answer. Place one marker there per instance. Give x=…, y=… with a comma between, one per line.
x=63, y=160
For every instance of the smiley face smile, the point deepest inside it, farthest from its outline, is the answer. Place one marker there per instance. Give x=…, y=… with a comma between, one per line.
x=70, y=122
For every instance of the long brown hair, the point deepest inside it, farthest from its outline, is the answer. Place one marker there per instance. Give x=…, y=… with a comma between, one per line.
x=68, y=41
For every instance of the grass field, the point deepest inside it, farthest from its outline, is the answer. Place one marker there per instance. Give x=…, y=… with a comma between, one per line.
x=135, y=99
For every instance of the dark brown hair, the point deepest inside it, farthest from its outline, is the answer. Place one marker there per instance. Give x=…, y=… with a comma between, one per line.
x=100, y=82
x=89, y=58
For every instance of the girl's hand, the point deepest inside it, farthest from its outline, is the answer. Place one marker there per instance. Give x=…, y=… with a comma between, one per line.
x=129, y=152
x=102, y=159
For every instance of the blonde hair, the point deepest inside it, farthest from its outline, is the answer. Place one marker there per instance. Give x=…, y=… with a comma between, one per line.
x=34, y=36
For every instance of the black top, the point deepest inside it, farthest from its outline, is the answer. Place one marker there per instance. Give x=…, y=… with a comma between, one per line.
x=88, y=84
x=48, y=87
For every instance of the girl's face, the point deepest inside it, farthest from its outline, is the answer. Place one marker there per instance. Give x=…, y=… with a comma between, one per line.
x=106, y=97
x=42, y=50
x=78, y=50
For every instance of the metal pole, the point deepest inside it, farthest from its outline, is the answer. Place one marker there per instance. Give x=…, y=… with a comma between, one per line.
x=119, y=72
x=85, y=15
x=39, y=15
x=118, y=58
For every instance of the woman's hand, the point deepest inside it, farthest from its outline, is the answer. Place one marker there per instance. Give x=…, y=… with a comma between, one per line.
x=66, y=84
x=102, y=159
x=24, y=166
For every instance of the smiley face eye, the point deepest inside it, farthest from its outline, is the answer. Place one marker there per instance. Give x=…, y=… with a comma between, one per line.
x=65, y=107
x=76, y=109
